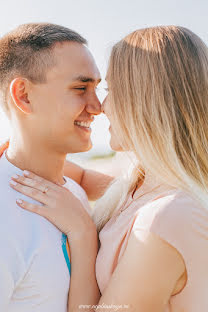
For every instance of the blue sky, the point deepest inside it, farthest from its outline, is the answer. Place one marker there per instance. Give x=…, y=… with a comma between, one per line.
x=103, y=22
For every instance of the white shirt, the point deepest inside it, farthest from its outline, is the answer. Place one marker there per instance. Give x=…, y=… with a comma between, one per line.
x=33, y=271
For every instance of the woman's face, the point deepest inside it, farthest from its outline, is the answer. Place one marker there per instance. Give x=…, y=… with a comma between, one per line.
x=114, y=141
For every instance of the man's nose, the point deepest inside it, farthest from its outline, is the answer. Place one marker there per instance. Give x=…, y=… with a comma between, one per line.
x=94, y=106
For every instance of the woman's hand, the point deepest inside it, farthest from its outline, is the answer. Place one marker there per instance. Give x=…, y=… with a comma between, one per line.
x=59, y=205
x=66, y=212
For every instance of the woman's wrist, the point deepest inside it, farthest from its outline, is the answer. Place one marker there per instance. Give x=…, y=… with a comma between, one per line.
x=84, y=240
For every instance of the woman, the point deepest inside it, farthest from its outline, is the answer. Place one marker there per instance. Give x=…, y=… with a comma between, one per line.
x=153, y=230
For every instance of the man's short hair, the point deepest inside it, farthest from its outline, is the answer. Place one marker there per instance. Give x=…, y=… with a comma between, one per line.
x=27, y=51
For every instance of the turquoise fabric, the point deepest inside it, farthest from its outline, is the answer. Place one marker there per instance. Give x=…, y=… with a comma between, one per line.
x=66, y=256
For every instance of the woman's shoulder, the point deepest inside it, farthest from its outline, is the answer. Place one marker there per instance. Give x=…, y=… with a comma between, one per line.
x=170, y=210
x=175, y=202
x=178, y=219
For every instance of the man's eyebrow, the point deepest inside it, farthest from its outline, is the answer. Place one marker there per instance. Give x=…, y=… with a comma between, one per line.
x=86, y=79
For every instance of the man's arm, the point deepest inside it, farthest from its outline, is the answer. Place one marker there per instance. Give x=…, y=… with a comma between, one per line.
x=94, y=183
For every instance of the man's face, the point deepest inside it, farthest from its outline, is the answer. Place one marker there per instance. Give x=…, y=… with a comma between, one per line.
x=64, y=106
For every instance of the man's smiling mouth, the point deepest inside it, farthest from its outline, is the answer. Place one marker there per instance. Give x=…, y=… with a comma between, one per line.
x=83, y=124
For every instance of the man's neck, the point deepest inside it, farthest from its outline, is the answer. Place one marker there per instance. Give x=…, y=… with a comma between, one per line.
x=37, y=159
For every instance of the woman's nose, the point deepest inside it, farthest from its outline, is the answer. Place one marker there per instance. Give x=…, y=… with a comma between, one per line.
x=103, y=105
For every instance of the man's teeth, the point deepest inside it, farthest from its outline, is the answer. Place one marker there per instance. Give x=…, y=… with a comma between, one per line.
x=83, y=124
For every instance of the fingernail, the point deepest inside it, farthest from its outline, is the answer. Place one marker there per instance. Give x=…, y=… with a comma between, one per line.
x=19, y=201
x=13, y=182
x=15, y=176
x=26, y=172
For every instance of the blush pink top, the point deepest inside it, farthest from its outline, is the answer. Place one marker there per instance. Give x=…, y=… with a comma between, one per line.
x=175, y=217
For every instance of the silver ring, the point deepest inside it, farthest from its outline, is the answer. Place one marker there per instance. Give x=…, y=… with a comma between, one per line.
x=45, y=190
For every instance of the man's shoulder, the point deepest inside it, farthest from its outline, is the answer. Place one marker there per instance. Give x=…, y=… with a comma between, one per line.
x=79, y=192
x=12, y=217
x=75, y=188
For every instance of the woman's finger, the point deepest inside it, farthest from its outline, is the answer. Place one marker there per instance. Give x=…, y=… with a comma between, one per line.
x=41, y=210
x=41, y=186
x=31, y=192
x=40, y=180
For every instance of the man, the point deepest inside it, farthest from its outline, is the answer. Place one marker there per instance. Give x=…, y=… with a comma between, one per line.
x=48, y=79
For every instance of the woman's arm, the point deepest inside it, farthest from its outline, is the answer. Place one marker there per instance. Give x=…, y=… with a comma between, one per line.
x=75, y=222
x=84, y=291
x=94, y=183
x=146, y=276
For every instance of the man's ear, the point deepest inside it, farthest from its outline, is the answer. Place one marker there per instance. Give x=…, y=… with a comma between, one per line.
x=19, y=92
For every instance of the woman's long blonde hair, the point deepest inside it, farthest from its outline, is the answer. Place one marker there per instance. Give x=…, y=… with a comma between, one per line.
x=158, y=95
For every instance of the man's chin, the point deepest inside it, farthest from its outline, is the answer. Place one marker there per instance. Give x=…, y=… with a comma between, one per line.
x=88, y=148
x=80, y=148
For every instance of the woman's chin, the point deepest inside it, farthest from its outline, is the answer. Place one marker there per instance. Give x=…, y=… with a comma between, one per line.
x=115, y=146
